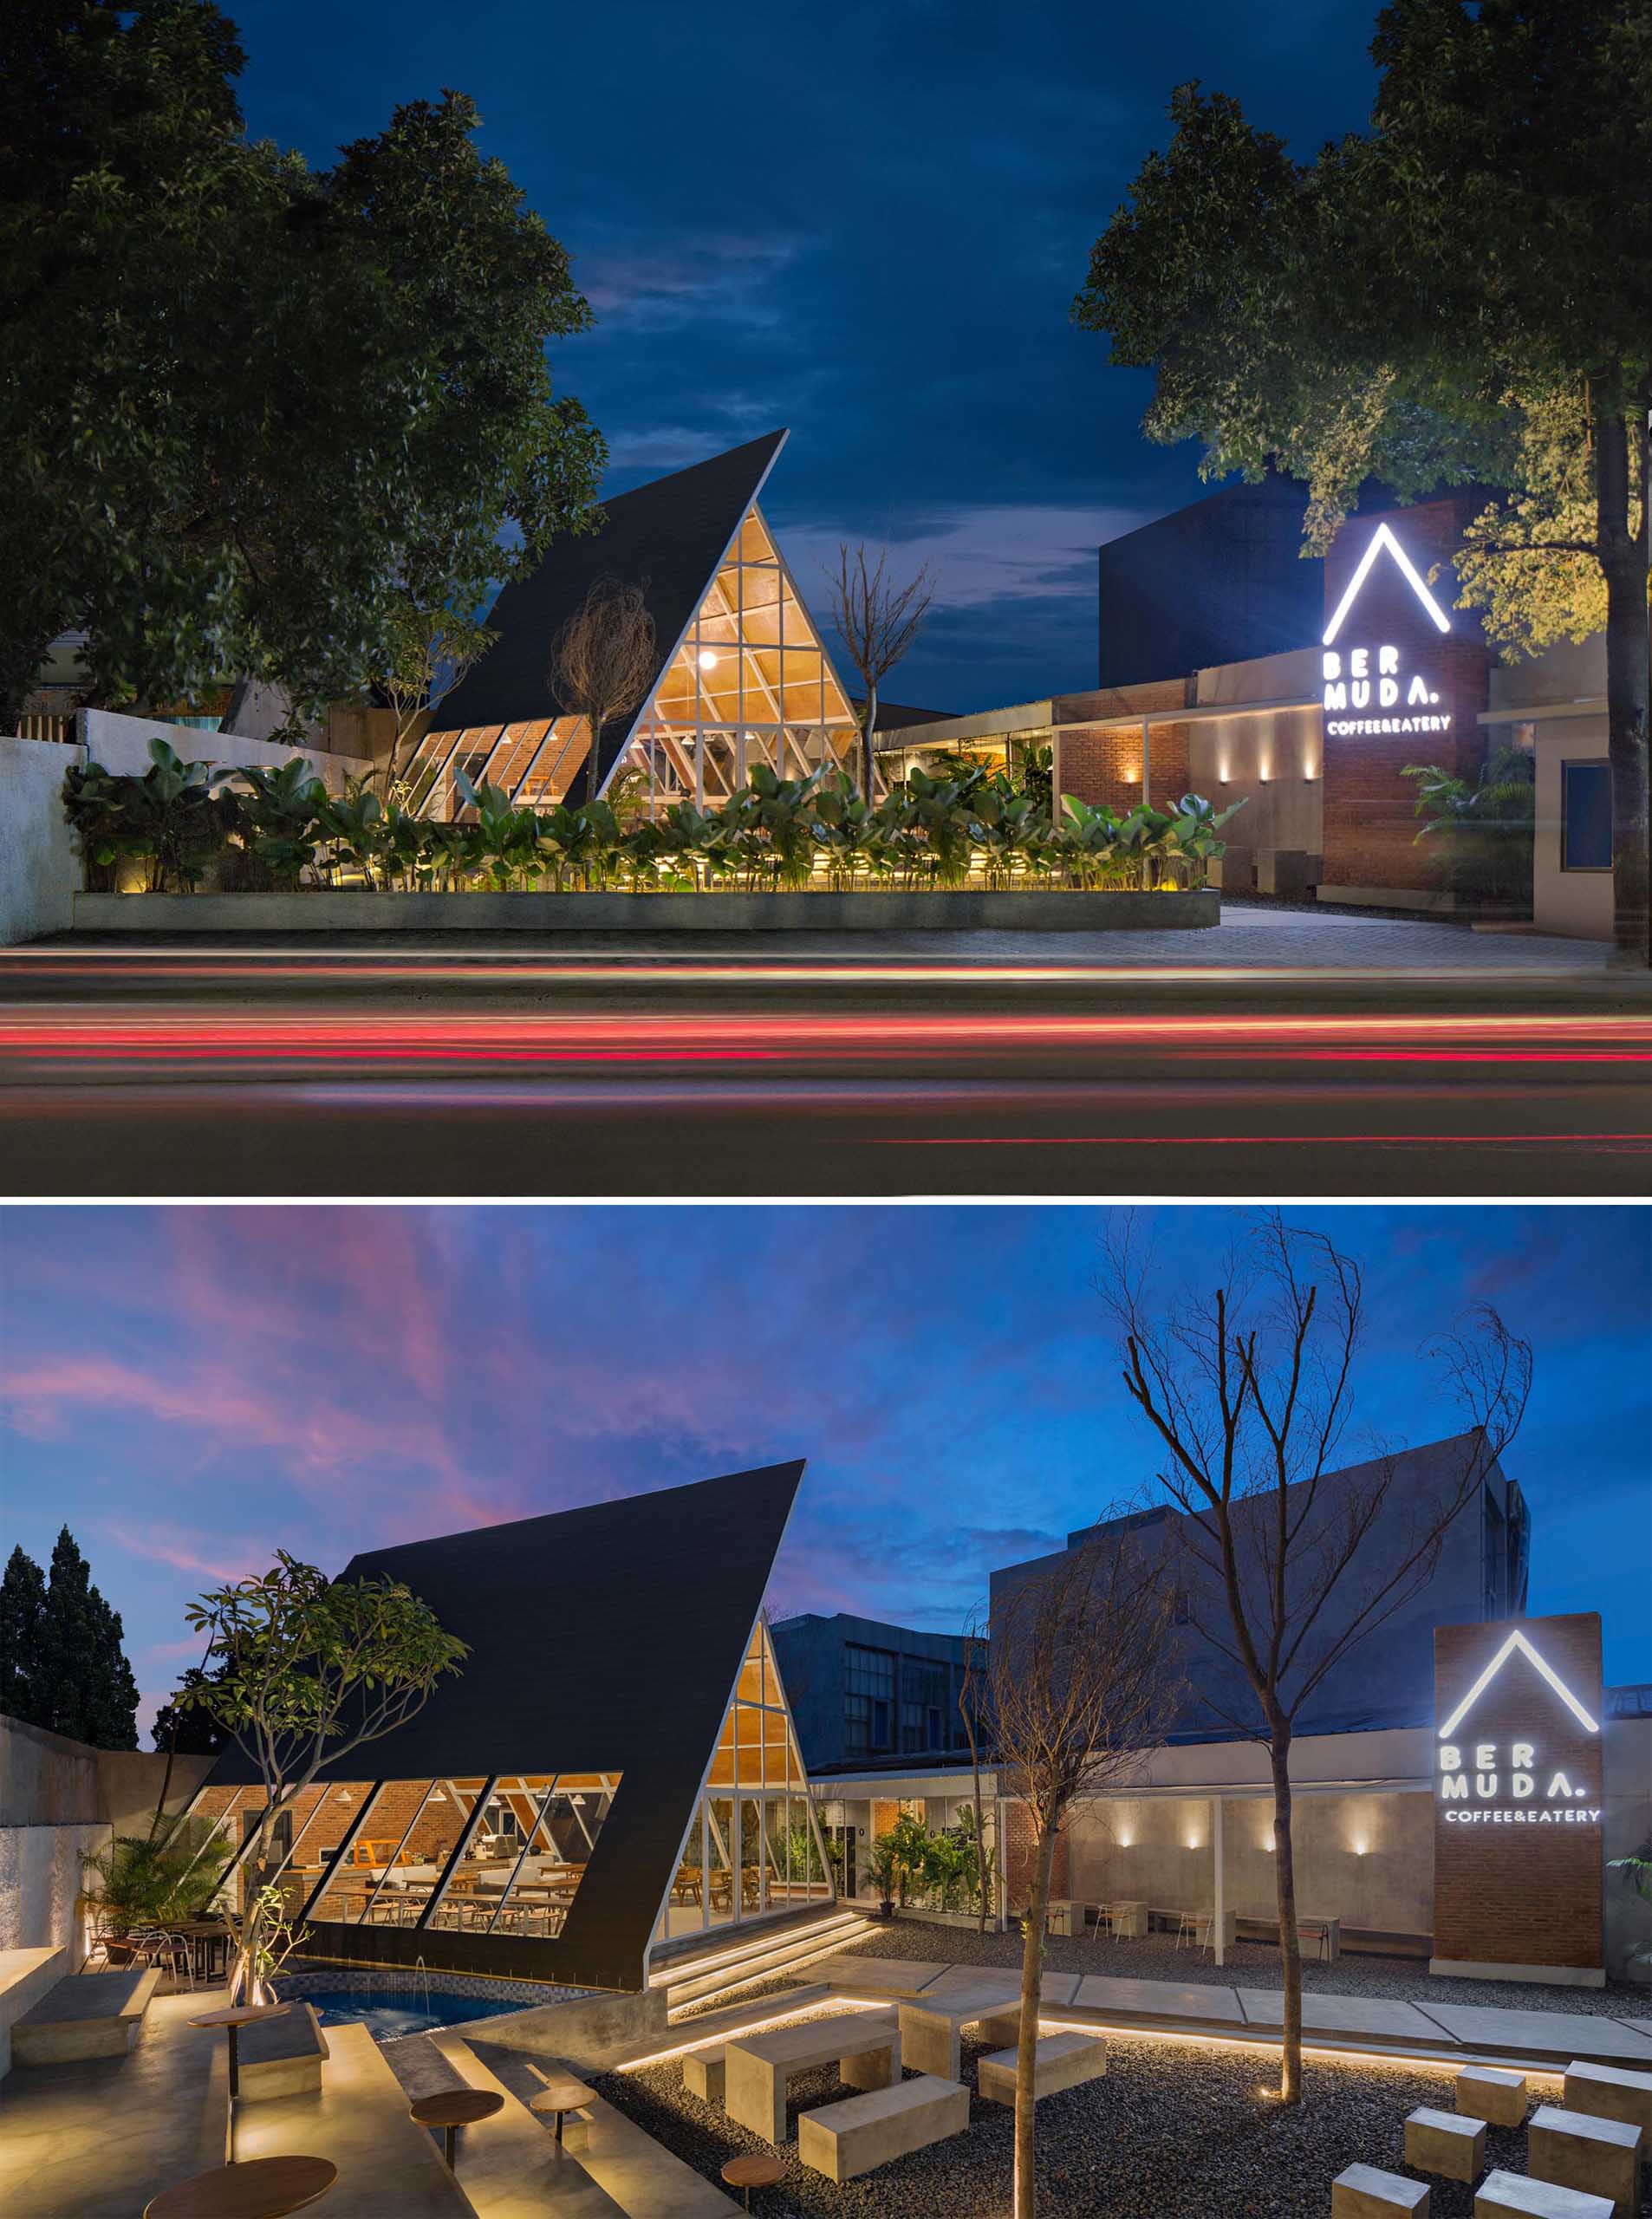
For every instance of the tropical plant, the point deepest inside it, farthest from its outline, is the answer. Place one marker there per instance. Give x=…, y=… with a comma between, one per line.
x=156, y=1879
x=352, y=825
x=1486, y=825
x=1637, y=1871
x=282, y=814
x=508, y=838
x=883, y=1868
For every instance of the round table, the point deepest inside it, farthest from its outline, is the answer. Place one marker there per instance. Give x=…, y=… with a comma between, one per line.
x=560, y=2093
x=760, y=2170
x=264, y=2188
x=237, y=2016
x=454, y=2108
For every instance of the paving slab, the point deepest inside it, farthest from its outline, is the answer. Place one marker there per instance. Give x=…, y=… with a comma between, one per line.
x=1541, y=2034
x=982, y=1981
x=878, y=1976
x=1641, y=2026
x=1159, y=1999
x=1382, y=2018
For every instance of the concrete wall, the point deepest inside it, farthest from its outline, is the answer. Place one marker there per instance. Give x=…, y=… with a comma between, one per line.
x=591, y=2032
x=40, y=865
x=59, y=1802
x=1577, y=904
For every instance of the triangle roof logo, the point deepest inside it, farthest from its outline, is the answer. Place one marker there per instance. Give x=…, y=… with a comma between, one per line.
x=1383, y=539
x=1517, y=1641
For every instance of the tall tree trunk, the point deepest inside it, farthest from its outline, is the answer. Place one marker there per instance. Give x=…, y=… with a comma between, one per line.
x=1624, y=557
x=1289, y=1948
x=1026, y=2050
x=868, y=722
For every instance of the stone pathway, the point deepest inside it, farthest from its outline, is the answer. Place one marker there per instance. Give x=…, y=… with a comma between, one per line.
x=1541, y=2038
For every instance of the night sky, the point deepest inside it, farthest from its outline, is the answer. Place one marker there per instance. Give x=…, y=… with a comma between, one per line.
x=867, y=221
x=192, y=1388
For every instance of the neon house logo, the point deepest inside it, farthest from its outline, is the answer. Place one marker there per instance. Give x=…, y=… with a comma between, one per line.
x=1504, y=1783
x=1362, y=679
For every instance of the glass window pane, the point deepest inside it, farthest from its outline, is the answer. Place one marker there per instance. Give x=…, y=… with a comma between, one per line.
x=1585, y=816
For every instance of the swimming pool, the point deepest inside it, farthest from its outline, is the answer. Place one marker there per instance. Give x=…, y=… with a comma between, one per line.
x=388, y=2013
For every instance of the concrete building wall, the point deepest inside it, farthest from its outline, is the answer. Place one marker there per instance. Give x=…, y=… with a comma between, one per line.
x=1577, y=904
x=811, y=1653
x=40, y=865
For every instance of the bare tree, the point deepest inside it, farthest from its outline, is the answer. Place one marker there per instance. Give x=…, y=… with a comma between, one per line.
x=877, y=621
x=603, y=662
x=1250, y=1393
x=971, y=1699
x=1081, y=1685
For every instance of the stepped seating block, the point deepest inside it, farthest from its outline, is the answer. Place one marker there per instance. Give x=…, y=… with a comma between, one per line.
x=843, y=2140
x=89, y=2014
x=1511, y=2196
x=1488, y=2092
x=1060, y=2061
x=1602, y=2156
x=705, y=2075
x=283, y=2057
x=1367, y=2192
x=1440, y=2141
x=1607, y=2091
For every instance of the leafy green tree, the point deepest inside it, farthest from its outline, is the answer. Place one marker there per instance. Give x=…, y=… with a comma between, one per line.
x=301, y=1671
x=1461, y=295
x=183, y=1727
x=85, y=1689
x=22, y=1607
x=253, y=410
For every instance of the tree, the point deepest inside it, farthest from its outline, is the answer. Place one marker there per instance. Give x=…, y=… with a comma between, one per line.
x=972, y=1696
x=300, y=1671
x=1081, y=1685
x=23, y=1606
x=1288, y=1564
x=877, y=621
x=250, y=408
x=183, y=1727
x=432, y=649
x=602, y=663
x=60, y=1652
x=1463, y=295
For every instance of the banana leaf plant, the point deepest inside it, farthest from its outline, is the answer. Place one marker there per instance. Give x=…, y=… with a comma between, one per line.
x=283, y=807
x=507, y=837
x=352, y=824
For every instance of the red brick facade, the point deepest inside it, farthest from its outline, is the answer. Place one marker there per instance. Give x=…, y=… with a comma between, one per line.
x=1106, y=765
x=1525, y=1892
x=1370, y=824
x=1018, y=1856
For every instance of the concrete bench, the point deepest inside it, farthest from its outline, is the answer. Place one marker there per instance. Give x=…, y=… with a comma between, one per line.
x=1060, y=2061
x=845, y=2139
x=704, y=2075
x=283, y=2057
x=930, y=2025
x=1607, y=2091
x=1440, y=2141
x=1602, y=2156
x=1487, y=2092
x=865, y=2045
x=1367, y=2192
x=89, y=2014
x=1511, y=2196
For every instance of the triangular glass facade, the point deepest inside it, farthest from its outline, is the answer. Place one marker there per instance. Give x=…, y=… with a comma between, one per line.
x=753, y=1848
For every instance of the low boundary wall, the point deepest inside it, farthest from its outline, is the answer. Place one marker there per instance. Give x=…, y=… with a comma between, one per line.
x=353, y=911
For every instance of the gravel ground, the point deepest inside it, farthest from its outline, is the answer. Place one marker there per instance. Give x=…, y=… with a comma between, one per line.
x=1251, y=1964
x=1170, y=2129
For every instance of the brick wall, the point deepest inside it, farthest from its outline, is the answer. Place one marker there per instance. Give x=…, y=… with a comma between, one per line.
x=1018, y=1857
x=1370, y=824
x=1521, y=1894
x=1106, y=766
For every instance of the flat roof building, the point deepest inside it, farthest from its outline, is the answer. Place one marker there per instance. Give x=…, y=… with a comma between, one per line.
x=864, y=1692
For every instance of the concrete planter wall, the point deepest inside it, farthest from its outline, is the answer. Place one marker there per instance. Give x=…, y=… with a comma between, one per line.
x=1038, y=911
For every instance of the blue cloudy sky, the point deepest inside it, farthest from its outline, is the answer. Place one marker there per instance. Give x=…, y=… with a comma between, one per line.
x=192, y=1388
x=867, y=221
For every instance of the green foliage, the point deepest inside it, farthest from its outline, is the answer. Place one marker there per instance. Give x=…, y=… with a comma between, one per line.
x=185, y=1726
x=1485, y=827
x=972, y=826
x=253, y=413
x=939, y=1870
x=62, y=1662
x=157, y=1879
x=1637, y=1872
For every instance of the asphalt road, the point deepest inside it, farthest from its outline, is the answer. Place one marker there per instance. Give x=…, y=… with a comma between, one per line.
x=442, y=1070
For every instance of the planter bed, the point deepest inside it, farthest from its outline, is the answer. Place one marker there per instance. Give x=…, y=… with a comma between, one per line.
x=1040, y=910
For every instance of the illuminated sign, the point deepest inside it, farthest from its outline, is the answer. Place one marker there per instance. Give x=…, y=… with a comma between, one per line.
x=1368, y=692
x=1503, y=1782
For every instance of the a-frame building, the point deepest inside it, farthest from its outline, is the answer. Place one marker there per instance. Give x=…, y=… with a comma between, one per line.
x=615, y=1768
x=741, y=677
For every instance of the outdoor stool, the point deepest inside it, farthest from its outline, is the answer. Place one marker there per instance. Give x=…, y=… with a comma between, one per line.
x=759, y=2170
x=1440, y=2141
x=1366, y=2192
x=454, y=2108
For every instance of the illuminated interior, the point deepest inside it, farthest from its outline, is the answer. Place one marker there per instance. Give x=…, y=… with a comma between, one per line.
x=748, y=683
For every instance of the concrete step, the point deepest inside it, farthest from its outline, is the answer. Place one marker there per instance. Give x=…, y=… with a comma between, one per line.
x=89, y=2014
x=25, y=1976
x=765, y=1958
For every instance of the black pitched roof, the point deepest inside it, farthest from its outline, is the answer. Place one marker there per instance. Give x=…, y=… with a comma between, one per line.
x=601, y=1639
x=668, y=536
